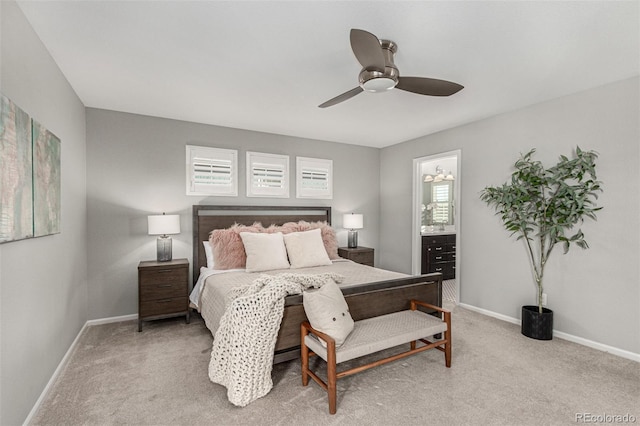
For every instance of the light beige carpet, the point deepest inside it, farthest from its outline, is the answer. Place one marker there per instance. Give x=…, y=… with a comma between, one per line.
x=449, y=293
x=498, y=377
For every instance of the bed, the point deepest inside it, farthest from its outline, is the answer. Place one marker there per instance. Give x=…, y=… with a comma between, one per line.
x=368, y=291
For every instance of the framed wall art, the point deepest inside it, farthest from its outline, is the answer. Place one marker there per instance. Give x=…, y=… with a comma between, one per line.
x=30, y=185
x=46, y=181
x=16, y=173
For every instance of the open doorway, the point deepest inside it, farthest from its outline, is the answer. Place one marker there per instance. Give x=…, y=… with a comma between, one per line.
x=436, y=219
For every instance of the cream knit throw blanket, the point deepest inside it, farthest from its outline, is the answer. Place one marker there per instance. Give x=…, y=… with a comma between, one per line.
x=243, y=345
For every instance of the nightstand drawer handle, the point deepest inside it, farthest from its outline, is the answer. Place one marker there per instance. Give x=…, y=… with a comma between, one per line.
x=164, y=270
x=164, y=301
x=165, y=285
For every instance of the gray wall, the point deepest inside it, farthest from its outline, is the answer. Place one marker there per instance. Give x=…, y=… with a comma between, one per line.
x=136, y=167
x=594, y=293
x=43, y=292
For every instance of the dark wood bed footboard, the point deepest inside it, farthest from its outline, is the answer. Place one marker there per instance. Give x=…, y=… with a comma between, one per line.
x=365, y=301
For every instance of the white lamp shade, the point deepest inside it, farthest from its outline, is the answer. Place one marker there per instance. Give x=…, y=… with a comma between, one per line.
x=352, y=221
x=164, y=224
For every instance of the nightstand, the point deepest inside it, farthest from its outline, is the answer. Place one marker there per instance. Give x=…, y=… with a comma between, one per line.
x=163, y=290
x=363, y=255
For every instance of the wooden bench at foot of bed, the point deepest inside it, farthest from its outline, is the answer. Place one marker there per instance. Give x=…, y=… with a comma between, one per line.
x=373, y=335
x=365, y=301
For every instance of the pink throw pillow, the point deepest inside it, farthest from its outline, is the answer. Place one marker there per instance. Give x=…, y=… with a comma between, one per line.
x=228, y=250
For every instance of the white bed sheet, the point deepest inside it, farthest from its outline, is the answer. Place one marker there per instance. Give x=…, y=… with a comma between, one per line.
x=196, y=292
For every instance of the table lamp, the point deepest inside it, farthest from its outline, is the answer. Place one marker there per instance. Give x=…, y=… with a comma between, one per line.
x=352, y=222
x=164, y=225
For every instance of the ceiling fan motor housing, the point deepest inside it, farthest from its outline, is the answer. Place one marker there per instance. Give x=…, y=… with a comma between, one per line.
x=375, y=80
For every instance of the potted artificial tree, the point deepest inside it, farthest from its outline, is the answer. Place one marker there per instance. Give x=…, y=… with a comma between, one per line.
x=542, y=206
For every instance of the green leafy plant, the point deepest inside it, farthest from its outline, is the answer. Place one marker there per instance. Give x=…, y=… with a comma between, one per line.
x=542, y=206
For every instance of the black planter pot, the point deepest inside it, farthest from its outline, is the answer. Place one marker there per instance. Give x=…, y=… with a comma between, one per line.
x=537, y=325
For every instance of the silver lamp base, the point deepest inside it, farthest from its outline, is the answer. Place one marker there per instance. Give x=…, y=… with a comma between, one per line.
x=164, y=248
x=352, y=241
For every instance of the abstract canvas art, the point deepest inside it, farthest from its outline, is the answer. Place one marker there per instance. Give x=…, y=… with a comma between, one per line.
x=30, y=186
x=46, y=181
x=16, y=173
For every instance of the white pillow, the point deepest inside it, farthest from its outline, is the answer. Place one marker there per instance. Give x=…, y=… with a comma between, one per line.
x=264, y=251
x=306, y=249
x=328, y=312
x=209, y=252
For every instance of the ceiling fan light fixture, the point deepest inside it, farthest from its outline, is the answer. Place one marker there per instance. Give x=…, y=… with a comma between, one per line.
x=375, y=81
x=379, y=84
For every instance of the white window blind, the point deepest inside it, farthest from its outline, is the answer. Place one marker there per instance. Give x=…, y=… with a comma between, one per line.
x=314, y=178
x=267, y=175
x=212, y=171
x=440, y=195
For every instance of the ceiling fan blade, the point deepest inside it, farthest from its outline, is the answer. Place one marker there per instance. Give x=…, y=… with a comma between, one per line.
x=428, y=86
x=341, y=98
x=367, y=49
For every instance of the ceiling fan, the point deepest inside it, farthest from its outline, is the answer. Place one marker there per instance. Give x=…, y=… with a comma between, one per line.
x=380, y=74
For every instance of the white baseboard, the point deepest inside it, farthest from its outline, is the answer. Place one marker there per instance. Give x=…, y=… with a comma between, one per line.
x=562, y=335
x=490, y=313
x=66, y=356
x=112, y=319
x=599, y=346
x=54, y=376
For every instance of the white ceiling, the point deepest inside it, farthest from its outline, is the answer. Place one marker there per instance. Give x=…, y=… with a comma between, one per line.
x=267, y=65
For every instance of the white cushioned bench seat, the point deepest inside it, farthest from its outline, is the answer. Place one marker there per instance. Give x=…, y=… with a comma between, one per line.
x=373, y=335
x=383, y=332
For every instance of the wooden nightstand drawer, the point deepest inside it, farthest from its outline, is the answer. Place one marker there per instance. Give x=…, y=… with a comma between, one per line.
x=162, y=290
x=164, y=306
x=162, y=276
x=363, y=255
x=363, y=258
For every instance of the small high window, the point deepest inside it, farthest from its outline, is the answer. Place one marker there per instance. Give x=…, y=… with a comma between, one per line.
x=314, y=178
x=212, y=171
x=267, y=175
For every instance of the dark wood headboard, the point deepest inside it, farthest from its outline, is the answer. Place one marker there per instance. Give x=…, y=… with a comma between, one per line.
x=208, y=218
